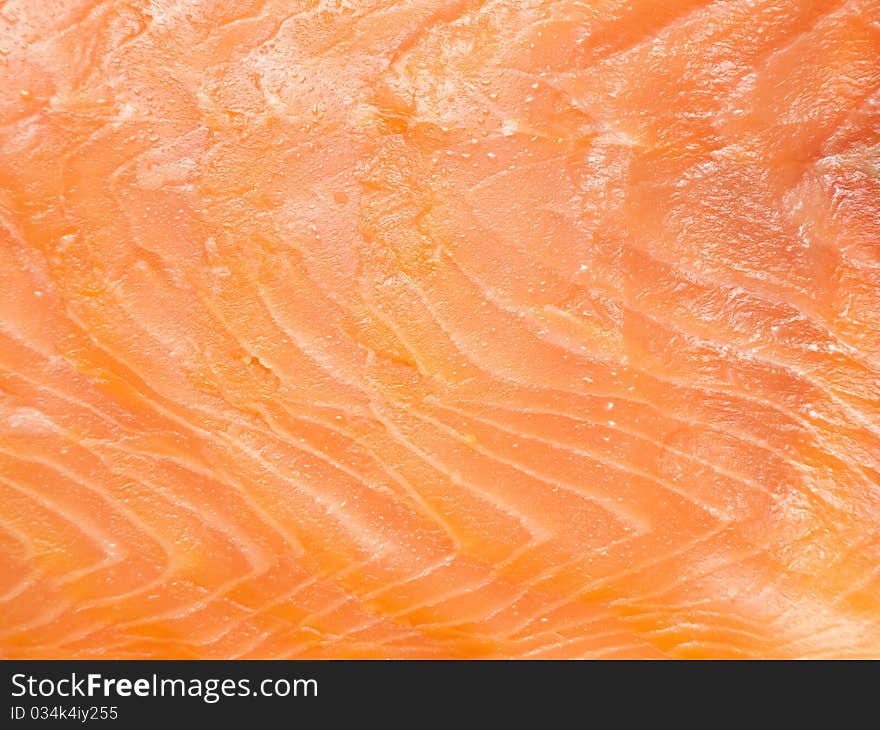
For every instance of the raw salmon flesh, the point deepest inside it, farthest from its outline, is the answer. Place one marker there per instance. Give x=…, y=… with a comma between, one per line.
x=440, y=328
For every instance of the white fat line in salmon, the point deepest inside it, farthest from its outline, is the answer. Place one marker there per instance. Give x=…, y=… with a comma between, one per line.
x=210, y=690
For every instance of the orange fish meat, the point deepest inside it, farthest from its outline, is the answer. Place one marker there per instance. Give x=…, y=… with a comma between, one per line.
x=440, y=329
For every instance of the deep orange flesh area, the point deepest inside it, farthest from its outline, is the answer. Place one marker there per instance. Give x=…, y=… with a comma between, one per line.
x=437, y=328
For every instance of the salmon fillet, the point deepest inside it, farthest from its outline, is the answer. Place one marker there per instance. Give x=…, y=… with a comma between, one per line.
x=439, y=329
